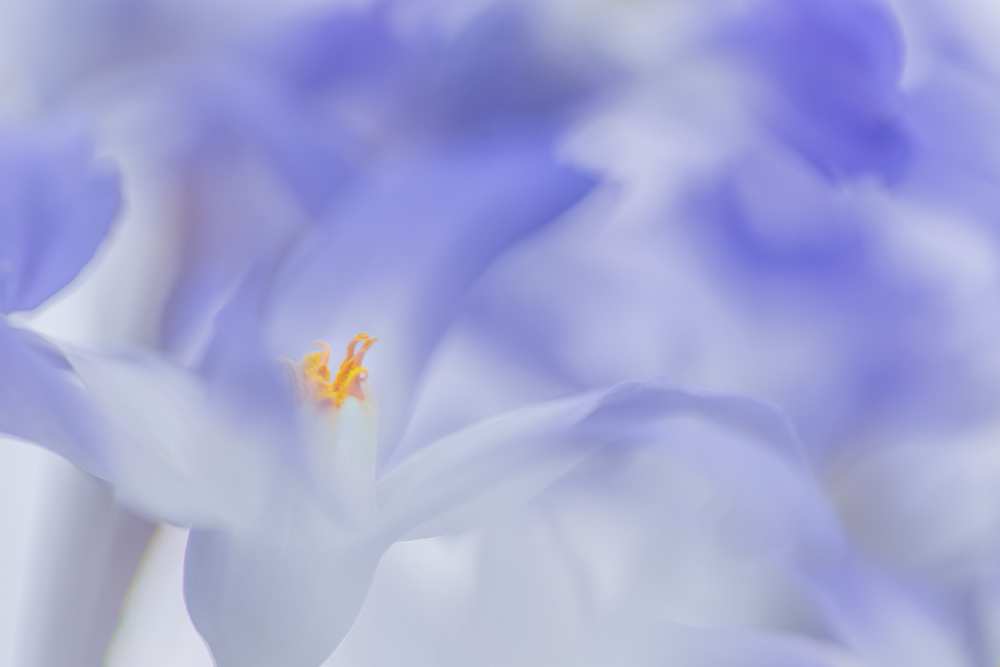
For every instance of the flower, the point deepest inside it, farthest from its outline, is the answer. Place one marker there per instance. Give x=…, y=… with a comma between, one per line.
x=796, y=202
x=228, y=451
x=294, y=491
x=290, y=517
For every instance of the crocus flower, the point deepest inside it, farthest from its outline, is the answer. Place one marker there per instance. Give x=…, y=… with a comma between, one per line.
x=830, y=250
x=293, y=501
x=291, y=517
x=266, y=107
x=398, y=266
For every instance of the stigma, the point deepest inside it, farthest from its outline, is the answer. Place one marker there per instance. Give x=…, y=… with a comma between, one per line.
x=332, y=390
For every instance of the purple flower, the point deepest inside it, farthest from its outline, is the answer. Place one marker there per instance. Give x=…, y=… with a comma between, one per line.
x=294, y=502
x=229, y=452
x=795, y=203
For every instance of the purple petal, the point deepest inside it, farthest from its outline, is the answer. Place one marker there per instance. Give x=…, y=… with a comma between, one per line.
x=42, y=402
x=507, y=460
x=315, y=107
x=56, y=207
x=831, y=73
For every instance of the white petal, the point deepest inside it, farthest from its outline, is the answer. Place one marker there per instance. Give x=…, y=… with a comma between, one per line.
x=499, y=463
x=174, y=453
x=284, y=592
x=341, y=447
x=41, y=401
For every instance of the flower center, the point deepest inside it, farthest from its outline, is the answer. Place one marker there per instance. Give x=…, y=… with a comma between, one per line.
x=315, y=375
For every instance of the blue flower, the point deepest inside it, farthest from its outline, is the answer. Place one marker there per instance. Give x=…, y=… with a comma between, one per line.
x=226, y=450
x=787, y=208
x=294, y=501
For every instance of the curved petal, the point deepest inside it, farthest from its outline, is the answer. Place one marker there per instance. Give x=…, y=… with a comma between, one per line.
x=695, y=525
x=174, y=452
x=505, y=461
x=82, y=554
x=431, y=605
x=281, y=591
x=405, y=623
x=42, y=402
x=340, y=454
x=56, y=207
x=831, y=72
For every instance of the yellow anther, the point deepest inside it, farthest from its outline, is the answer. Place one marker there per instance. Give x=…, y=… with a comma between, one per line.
x=350, y=374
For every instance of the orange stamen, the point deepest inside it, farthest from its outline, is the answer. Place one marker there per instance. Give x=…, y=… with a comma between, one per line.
x=348, y=379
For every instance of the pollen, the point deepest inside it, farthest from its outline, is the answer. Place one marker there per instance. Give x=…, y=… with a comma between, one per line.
x=331, y=391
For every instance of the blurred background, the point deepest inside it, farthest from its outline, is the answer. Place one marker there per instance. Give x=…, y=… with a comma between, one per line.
x=795, y=200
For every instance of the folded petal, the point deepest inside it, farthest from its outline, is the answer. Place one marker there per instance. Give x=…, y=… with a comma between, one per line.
x=340, y=451
x=175, y=452
x=42, y=402
x=831, y=75
x=424, y=612
x=281, y=591
x=505, y=461
x=56, y=206
x=669, y=546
